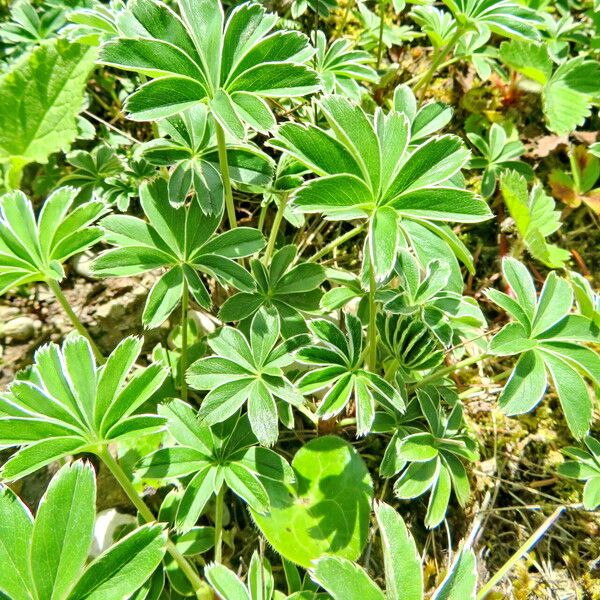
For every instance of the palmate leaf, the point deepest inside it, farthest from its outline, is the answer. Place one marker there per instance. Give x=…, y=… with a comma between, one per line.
x=337, y=362
x=391, y=188
x=248, y=370
x=225, y=453
x=34, y=249
x=342, y=68
x=291, y=290
x=48, y=86
x=198, y=56
x=549, y=340
x=505, y=17
x=190, y=149
x=71, y=405
x=584, y=465
x=181, y=240
x=48, y=554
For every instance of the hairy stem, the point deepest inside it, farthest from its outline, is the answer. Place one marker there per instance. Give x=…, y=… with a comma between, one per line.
x=219, y=505
x=224, y=166
x=450, y=369
x=184, y=339
x=344, y=238
x=53, y=285
x=423, y=83
x=275, y=228
x=381, y=25
x=372, y=330
x=203, y=592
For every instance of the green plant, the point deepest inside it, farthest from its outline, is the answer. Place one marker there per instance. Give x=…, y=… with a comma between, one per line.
x=47, y=121
x=203, y=58
x=326, y=510
x=584, y=465
x=339, y=360
x=497, y=155
x=249, y=370
x=535, y=219
x=545, y=335
x=48, y=554
x=567, y=90
x=35, y=250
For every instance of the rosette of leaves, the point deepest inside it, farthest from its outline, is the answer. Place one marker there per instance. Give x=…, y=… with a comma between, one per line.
x=431, y=460
x=399, y=191
x=568, y=90
x=248, y=370
x=404, y=577
x=209, y=457
x=535, y=219
x=504, y=17
x=579, y=186
x=198, y=56
x=181, y=240
x=189, y=148
x=338, y=369
x=70, y=405
x=341, y=67
x=584, y=465
x=101, y=172
x=289, y=289
x=47, y=554
x=549, y=341
x=35, y=249
x=498, y=154
x=426, y=295
x=409, y=344
x=373, y=31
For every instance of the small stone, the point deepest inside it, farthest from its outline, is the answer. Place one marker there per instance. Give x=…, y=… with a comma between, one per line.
x=81, y=264
x=20, y=329
x=7, y=313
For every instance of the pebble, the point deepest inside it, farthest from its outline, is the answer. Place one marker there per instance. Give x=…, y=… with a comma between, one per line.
x=20, y=329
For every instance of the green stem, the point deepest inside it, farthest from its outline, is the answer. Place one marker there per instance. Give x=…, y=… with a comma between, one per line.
x=219, y=525
x=381, y=25
x=524, y=549
x=344, y=238
x=275, y=228
x=184, y=339
x=423, y=84
x=224, y=166
x=200, y=587
x=450, y=369
x=372, y=331
x=53, y=285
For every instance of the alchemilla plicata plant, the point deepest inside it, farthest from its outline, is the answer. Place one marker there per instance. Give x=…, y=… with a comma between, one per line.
x=363, y=357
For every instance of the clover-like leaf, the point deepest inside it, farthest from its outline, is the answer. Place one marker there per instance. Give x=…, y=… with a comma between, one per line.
x=72, y=405
x=326, y=511
x=181, y=240
x=35, y=249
